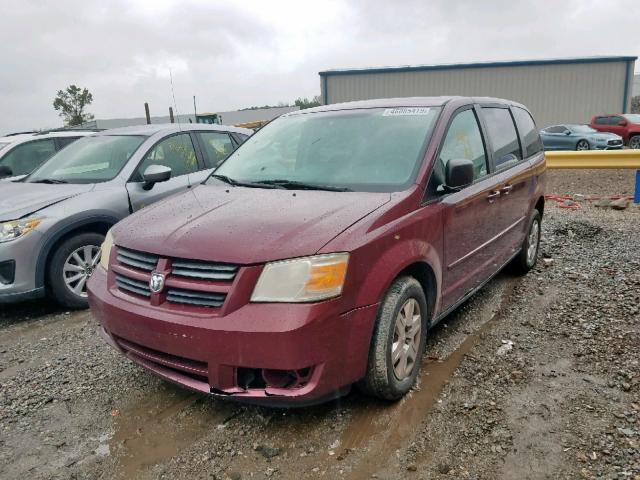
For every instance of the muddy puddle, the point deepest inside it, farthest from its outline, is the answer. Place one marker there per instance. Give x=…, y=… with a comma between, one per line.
x=379, y=429
x=157, y=428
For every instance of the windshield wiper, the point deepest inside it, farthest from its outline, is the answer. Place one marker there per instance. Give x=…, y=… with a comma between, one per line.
x=49, y=180
x=294, y=185
x=238, y=183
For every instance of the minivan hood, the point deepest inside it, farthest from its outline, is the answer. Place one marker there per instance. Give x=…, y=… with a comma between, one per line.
x=244, y=225
x=18, y=199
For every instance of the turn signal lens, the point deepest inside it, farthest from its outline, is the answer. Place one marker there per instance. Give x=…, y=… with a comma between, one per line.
x=306, y=279
x=105, y=250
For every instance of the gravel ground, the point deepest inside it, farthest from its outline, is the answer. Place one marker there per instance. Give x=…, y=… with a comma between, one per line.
x=534, y=377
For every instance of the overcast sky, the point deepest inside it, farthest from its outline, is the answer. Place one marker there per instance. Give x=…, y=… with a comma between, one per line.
x=234, y=55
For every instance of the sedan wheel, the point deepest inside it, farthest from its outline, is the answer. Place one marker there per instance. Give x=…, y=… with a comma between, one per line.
x=71, y=266
x=78, y=268
x=634, y=142
x=582, y=145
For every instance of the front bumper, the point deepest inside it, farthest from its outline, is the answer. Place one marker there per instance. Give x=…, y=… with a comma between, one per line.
x=210, y=353
x=23, y=252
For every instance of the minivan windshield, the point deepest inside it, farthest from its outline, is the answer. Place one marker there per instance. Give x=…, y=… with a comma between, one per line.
x=361, y=150
x=90, y=159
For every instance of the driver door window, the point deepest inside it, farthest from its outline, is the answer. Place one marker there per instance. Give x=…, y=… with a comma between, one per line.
x=463, y=141
x=176, y=152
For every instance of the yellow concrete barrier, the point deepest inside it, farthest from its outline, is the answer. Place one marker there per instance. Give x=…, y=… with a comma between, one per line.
x=614, y=159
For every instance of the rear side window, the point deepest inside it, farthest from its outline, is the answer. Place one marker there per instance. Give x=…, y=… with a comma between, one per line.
x=503, y=135
x=602, y=121
x=528, y=132
x=217, y=147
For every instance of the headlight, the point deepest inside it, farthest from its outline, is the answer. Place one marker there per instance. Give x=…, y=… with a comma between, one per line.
x=105, y=250
x=306, y=279
x=17, y=228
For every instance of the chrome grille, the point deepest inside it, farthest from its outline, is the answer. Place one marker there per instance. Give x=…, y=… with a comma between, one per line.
x=134, y=286
x=614, y=142
x=132, y=258
x=195, y=297
x=204, y=270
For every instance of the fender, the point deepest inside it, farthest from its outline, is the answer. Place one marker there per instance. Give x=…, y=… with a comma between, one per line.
x=395, y=258
x=62, y=228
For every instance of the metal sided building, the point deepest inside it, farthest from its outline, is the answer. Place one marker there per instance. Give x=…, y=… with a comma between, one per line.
x=557, y=91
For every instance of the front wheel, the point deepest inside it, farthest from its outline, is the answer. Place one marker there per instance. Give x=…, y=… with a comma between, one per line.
x=582, y=145
x=398, y=341
x=72, y=264
x=634, y=142
x=528, y=256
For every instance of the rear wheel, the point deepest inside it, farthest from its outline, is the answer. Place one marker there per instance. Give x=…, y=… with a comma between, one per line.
x=582, y=145
x=398, y=341
x=528, y=255
x=634, y=142
x=71, y=266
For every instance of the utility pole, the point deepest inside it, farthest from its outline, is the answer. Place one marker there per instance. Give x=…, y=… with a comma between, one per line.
x=195, y=111
x=171, y=114
x=146, y=112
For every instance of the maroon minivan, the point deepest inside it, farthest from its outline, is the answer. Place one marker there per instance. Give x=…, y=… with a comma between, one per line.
x=322, y=251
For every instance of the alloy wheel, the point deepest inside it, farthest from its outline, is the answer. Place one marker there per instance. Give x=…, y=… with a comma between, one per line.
x=406, y=339
x=79, y=266
x=634, y=142
x=582, y=145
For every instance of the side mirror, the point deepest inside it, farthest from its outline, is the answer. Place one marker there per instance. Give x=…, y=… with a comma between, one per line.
x=567, y=132
x=5, y=171
x=459, y=173
x=155, y=174
x=622, y=123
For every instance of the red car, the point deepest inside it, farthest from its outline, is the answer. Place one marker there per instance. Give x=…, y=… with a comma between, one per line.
x=626, y=125
x=322, y=251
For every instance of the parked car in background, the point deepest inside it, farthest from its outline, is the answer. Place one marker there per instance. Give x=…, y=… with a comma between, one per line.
x=324, y=248
x=626, y=125
x=22, y=153
x=53, y=221
x=578, y=137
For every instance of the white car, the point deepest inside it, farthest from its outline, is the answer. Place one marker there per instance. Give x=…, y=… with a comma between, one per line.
x=21, y=153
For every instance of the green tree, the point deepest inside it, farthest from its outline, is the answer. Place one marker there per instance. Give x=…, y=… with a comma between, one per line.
x=306, y=103
x=71, y=104
x=635, y=104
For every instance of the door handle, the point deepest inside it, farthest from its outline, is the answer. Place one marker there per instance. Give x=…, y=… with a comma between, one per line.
x=506, y=189
x=493, y=195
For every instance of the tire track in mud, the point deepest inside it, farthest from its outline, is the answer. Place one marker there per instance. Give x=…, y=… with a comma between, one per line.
x=379, y=430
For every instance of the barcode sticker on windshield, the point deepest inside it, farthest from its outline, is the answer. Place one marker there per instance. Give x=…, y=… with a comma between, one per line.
x=395, y=112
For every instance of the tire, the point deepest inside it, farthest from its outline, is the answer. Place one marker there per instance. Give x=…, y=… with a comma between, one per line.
x=583, y=145
x=64, y=267
x=528, y=256
x=634, y=142
x=382, y=379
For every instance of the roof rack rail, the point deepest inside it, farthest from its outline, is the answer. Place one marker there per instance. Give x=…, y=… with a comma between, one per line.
x=66, y=129
x=19, y=133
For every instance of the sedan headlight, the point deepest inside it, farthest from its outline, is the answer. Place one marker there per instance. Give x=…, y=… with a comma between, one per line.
x=17, y=228
x=105, y=250
x=306, y=279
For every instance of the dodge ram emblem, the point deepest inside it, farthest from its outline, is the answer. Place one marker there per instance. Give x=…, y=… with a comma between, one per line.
x=156, y=284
